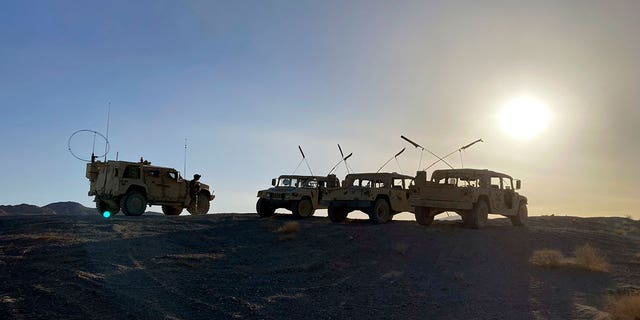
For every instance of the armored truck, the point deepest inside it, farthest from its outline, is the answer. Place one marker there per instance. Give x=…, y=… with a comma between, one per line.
x=300, y=194
x=471, y=193
x=131, y=186
x=379, y=195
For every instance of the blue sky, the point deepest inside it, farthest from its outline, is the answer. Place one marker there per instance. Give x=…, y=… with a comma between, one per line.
x=246, y=82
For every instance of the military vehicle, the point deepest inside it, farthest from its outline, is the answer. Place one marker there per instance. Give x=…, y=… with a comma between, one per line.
x=300, y=194
x=471, y=193
x=380, y=195
x=131, y=186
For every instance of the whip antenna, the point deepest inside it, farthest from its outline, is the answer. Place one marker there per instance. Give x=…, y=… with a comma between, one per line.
x=345, y=158
x=339, y=162
x=394, y=157
x=305, y=160
x=454, y=151
x=425, y=149
x=108, y=120
x=465, y=147
x=185, y=158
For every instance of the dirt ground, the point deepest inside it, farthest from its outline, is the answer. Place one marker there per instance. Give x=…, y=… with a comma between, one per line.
x=230, y=266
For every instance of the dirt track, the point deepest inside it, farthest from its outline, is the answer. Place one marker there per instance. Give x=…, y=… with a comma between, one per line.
x=236, y=266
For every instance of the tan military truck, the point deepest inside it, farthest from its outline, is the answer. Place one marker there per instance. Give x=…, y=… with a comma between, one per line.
x=300, y=194
x=379, y=195
x=471, y=193
x=131, y=186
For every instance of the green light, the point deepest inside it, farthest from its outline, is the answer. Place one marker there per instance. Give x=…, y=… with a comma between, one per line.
x=106, y=214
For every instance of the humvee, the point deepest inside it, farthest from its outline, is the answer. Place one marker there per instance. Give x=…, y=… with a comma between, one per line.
x=131, y=186
x=471, y=193
x=379, y=195
x=300, y=194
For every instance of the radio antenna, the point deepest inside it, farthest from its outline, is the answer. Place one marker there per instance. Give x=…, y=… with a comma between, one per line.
x=424, y=149
x=304, y=159
x=345, y=158
x=454, y=151
x=185, y=158
x=95, y=135
x=394, y=157
x=341, y=160
x=108, y=120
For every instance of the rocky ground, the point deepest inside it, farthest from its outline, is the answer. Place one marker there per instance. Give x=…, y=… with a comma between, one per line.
x=238, y=266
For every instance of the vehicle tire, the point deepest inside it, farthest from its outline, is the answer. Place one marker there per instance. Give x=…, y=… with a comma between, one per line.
x=521, y=218
x=303, y=208
x=337, y=214
x=380, y=212
x=201, y=205
x=264, y=209
x=479, y=215
x=171, y=210
x=424, y=216
x=103, y=206
x=133, y=203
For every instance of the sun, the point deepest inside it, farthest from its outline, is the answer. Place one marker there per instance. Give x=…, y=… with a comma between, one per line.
x=524, y=118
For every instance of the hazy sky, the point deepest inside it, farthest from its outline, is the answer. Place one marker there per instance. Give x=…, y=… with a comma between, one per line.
x=246, y=82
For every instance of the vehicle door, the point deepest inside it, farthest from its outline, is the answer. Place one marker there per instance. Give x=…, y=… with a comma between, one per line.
x=399, y=195
x=496, y=196
x=359, y=190
x=312, y=189
x=131, y=176
x=509, y=196
x=175, y=188
x=155, y=187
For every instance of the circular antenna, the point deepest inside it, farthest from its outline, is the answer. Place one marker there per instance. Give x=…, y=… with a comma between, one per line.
x=93, y=133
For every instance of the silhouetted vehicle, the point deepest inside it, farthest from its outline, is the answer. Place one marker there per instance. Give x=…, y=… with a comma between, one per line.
x=300, y=194
x=379, y=195
x=471, y=193
x=131, y=186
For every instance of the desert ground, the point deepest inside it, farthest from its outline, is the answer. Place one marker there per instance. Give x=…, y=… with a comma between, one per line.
x=239, y=266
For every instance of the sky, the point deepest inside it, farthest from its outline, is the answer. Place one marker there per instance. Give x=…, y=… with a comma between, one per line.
x=246, y=82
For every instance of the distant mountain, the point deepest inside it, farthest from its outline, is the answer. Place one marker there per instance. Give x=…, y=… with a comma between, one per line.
x=57, y=208
x=69, y=208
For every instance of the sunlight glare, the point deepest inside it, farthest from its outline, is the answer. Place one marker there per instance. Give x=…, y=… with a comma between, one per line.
x=524, y=118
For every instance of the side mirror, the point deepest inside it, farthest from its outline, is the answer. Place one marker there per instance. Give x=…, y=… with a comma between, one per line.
x=273, y=182
x=518, y=184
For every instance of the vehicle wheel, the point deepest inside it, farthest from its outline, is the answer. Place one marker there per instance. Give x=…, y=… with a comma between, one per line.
x=171, y=210
x=337, y=214
x=264, y=209
x=133, y=203
x=103, y=206
x=380, y=212
x=521, y=218
x=303, y=208
x=424, y=216
x=479, y=215
x=201, y=204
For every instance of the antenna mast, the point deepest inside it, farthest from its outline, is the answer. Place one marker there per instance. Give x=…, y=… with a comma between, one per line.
x=342, y=158
x=454, y=151
x=185, y=158
x=304, y=159
x=394, y=157
x=108, y=120
x=425, y=149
